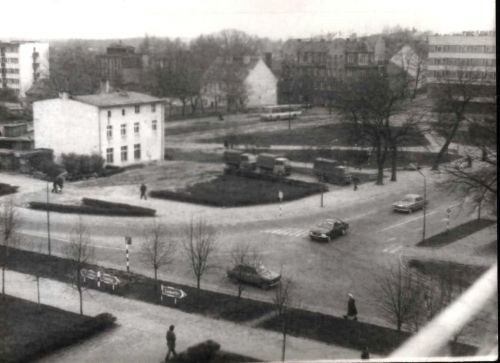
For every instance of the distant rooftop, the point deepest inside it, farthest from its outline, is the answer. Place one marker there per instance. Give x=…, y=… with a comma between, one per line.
x=119, y=98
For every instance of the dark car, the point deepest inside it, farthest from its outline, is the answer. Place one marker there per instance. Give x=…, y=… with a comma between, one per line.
x=328, y=230
x=257, y=275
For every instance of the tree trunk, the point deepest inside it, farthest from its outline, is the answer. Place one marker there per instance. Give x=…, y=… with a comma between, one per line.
x=447, y=143
x=80, y=293
x=394, y=163
x=3, y=281
x=38, y=290
x=198, y=278
x=399, y=324
x=283, y=347
x=380, y=155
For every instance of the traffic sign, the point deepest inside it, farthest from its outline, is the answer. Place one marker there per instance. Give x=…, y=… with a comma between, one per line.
x=99, y=277
x=128, y=240
x=172, y=292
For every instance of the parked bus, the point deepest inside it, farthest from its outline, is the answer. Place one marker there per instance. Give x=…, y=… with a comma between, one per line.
x=280, y=112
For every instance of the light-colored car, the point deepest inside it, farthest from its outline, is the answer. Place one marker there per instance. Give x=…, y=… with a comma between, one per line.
x=254, y=274
x=409, y=203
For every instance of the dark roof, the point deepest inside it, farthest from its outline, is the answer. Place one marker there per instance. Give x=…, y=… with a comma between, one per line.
x=119, y=98
x=236, y=66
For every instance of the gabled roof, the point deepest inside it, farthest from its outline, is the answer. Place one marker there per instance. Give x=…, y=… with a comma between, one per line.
x=239, y=68
x=119, y=98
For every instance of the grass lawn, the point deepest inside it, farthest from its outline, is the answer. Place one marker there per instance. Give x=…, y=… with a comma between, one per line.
x=28, y=331
x=233, y=190
x=331, y=135
x=456, y=233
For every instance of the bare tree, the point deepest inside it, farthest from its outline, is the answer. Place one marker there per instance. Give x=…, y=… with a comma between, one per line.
x=397, y=296
x=199, y=244
x=9, y=224
x=283, y=301
x=243, y=255
x=454, y=94
x=79, y=252
x=158, y=248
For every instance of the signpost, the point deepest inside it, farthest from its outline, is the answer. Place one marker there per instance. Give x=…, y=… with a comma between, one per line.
x=172, y=292
x=128, y=242
x=99, y=277
x=280, y=197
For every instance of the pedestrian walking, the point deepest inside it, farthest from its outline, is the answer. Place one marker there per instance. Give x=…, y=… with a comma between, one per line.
x=226, y=144
x=143, y=191
x=352, y=312
x=170, y=343
x=365, y=353
x=355, y=182
x=54, y=186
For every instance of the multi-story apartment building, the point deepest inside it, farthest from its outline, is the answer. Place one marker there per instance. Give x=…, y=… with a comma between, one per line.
x=22, y=63
x=121, y=65
x=310, y=69
x=468, y=58
x=123, y=127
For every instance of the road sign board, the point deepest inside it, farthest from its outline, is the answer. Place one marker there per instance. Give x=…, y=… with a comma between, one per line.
x=128, y=240
x=280, y=195
x=100, y=277
x=88, y=274
x=172, y=292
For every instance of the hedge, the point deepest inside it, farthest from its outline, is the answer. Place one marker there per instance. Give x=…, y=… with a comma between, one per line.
x=86, y=209
x=111, y=205
x=7, y=189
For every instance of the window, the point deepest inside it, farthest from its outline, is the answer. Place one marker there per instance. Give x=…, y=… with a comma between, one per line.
x=109, y=155
x=137, y=151
x=109, y=114
x=137, y=108
x=123, y=130
x=136, y=128
x=154, y=125
x=124, y=155
x=109, y=131
x=123, y=112
x=153, y=107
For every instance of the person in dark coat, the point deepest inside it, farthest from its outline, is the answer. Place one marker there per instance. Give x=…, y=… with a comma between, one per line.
x=355, y=182
x=170, y=342
x=352, y=312
x=143, y=191
x=365, y=354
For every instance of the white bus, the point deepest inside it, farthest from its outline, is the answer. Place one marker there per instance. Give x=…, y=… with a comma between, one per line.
x=281, y=112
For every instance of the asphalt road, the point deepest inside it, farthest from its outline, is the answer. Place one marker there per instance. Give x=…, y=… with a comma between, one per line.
x=322, y=273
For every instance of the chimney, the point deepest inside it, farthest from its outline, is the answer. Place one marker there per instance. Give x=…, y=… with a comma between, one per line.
x=268, y=59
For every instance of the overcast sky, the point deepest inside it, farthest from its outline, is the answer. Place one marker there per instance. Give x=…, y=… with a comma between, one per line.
x=52, y=19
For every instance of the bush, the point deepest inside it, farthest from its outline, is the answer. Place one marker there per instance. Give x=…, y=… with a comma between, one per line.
x=7, y=189
x=87, y=209
x=80, y=164
x=199, y=353
x=48, y=167
x=110, y=205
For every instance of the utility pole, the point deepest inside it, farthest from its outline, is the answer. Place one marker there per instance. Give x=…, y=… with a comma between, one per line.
x=425, y=204
x=48, y=222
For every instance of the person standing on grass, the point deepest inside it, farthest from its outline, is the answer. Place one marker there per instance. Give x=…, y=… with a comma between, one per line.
x=352, y=311
x=355, y=182
x=365, y=354
x=143, y=191
x=170, y=343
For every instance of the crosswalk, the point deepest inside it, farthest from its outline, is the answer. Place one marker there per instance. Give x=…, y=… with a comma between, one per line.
x=291, y=232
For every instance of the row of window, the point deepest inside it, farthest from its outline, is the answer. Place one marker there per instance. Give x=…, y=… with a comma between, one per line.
x=468, y=75
x=123, y=129
x=12, y=70
x=463, y=48
x=10, y=60
x=362, y=59
x=311, y=57
x=137, y=109
x=110, y=156
x=10, y=80
x=462, y=62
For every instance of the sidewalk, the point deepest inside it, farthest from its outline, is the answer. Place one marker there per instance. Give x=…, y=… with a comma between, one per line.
x=140, y=336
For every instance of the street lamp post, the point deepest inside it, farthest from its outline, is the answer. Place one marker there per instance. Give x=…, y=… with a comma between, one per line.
x=48, y=221
x=425, y=203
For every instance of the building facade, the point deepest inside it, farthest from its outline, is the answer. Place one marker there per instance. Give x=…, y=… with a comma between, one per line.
x=468, y=58
x=123, y=127
x=234, y=83
x=121, y=65
x=311, y=68
x=22, y=64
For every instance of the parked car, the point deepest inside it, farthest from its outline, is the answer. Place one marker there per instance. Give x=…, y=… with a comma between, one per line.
x=257, y=275
x=328, y=230
x=409, y=203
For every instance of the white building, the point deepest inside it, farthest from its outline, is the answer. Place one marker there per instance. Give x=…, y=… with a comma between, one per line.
x=239, y=82
x=123, y=127
x=22, y=63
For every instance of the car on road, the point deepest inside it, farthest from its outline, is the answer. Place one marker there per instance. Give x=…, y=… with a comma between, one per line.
x=409, y=203
x=328, y=230
x=254, y=274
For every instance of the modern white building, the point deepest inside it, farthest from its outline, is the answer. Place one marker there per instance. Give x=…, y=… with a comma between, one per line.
x=123, y=127
x=22, y=63
x=239, y=82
